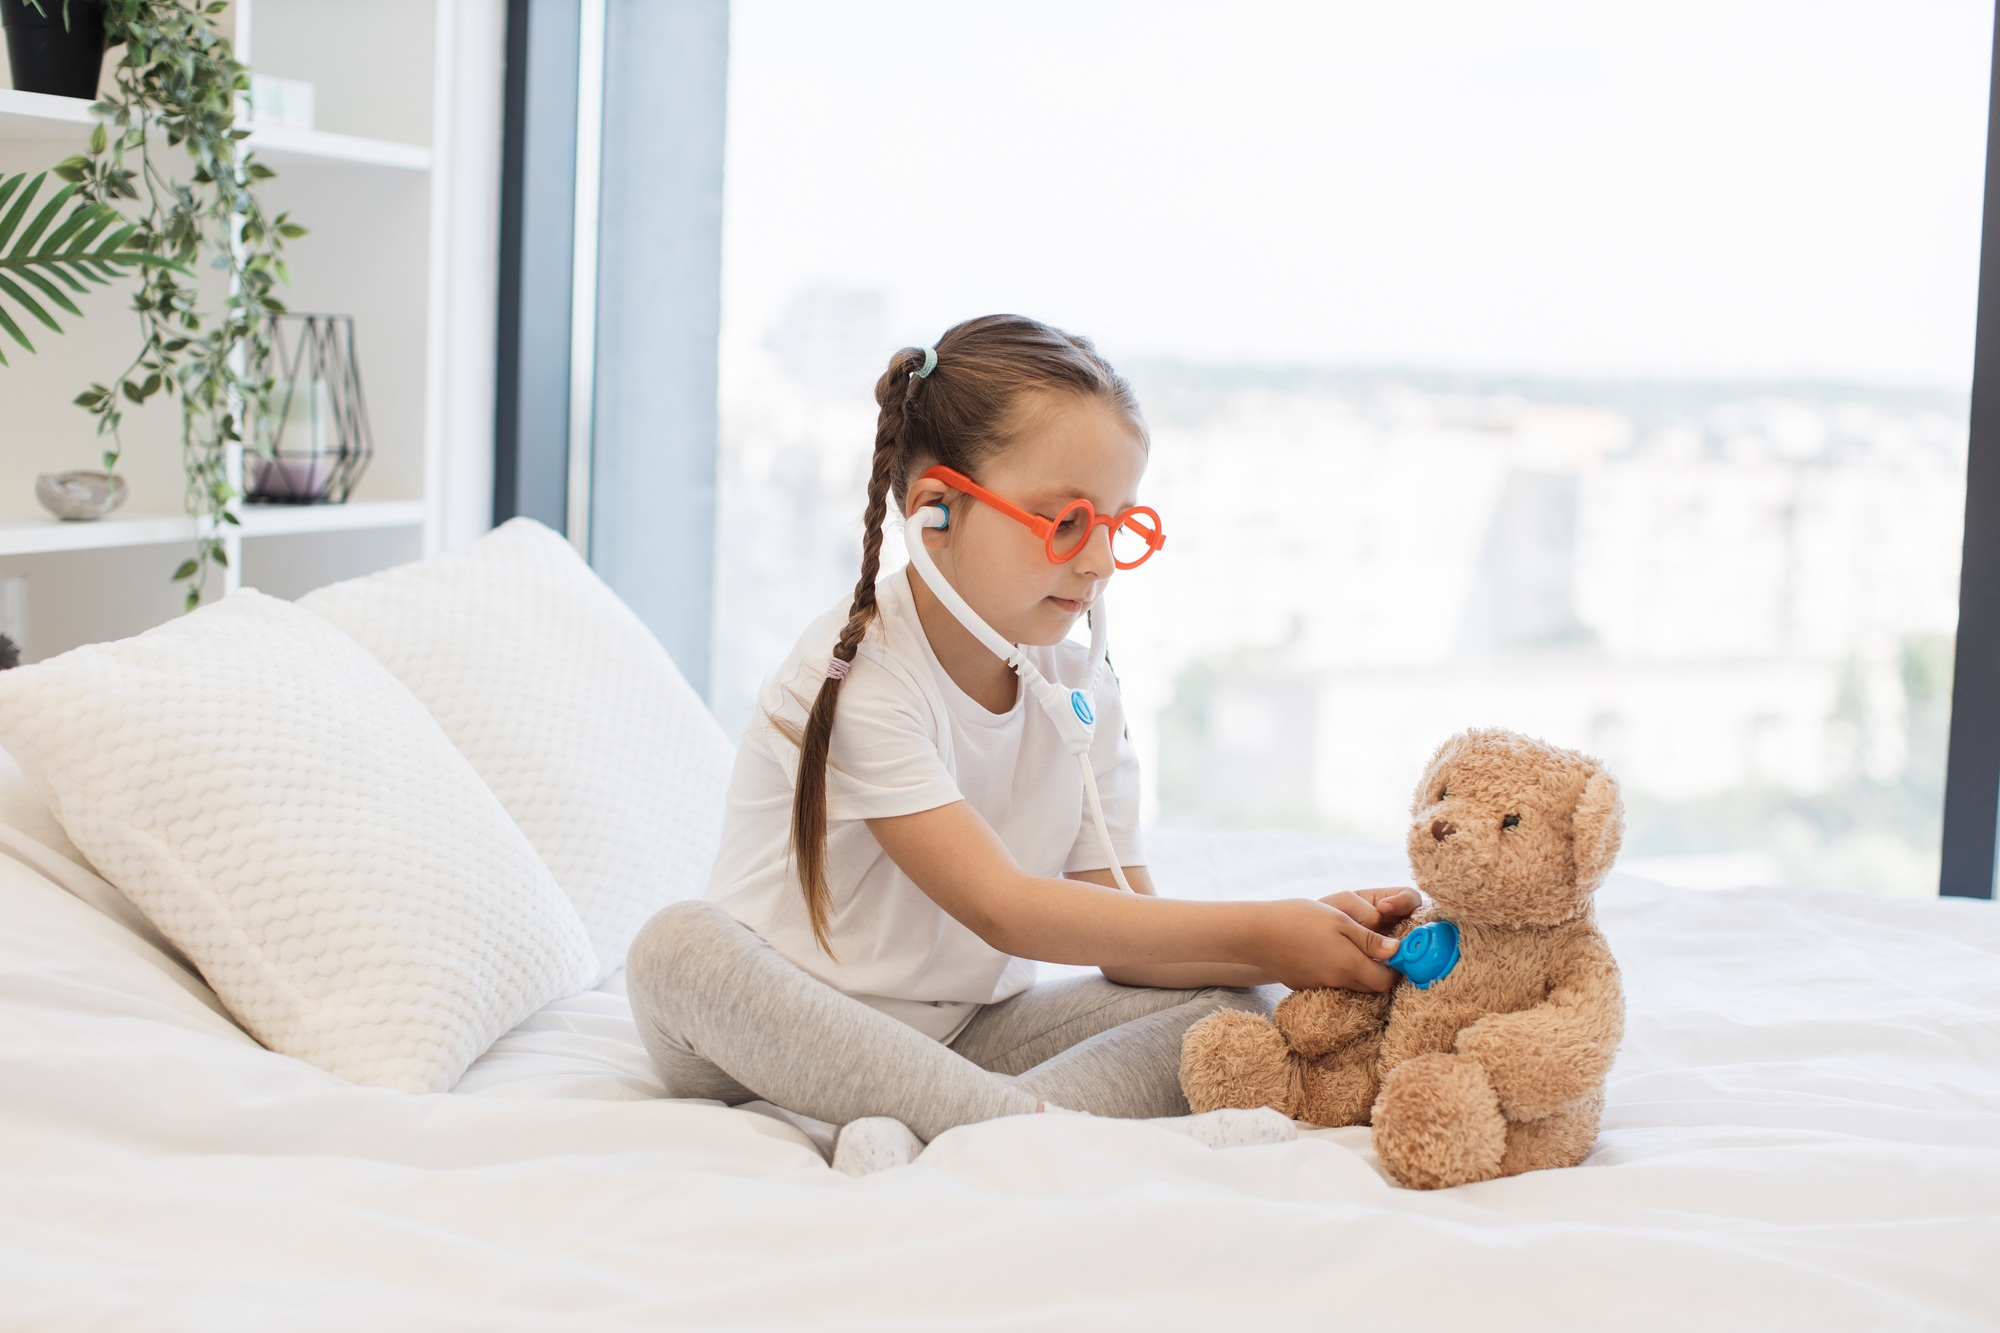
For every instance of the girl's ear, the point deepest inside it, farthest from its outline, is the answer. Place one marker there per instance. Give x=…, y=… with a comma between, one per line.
x=924, y=491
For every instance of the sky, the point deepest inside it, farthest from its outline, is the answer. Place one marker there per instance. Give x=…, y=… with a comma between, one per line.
x=1757, y=188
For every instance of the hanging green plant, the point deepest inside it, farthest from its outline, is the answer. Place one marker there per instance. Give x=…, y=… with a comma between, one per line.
x=176, y=90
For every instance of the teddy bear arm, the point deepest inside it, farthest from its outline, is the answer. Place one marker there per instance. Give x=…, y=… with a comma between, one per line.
x=1316, y=1023
x=1543, y=1059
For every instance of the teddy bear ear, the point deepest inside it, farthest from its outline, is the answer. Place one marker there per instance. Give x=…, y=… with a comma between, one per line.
x=1427, y=785
x=1597, y=829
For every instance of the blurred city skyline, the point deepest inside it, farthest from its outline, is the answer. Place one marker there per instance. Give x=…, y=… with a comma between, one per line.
x=1741, y=595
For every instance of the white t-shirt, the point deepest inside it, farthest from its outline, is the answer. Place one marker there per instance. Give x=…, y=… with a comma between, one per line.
x=906, y=739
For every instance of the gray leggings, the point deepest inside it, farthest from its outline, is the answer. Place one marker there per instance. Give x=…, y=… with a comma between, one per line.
x=727, y=1016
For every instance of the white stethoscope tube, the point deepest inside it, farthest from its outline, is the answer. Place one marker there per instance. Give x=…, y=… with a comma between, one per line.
x=1097, y=814
x=1073, y=711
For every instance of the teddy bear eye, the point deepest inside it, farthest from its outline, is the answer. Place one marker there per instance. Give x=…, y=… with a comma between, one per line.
x=1510, y=821
x=1443, y=792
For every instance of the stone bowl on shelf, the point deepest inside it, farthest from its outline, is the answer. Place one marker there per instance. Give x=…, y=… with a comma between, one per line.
x=79, y=496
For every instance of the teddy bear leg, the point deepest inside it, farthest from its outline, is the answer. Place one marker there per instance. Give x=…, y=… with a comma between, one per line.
x=1339, y=1089
x=1236, y=1059
x=1562, y=1139
x=1438, y=1123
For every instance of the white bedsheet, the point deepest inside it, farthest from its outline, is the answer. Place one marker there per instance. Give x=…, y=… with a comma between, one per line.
x=1803, y=1131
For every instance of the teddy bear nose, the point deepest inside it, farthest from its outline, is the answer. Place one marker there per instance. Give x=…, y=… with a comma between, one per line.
x=1442, y=829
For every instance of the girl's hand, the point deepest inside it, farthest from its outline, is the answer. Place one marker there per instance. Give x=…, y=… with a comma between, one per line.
x=1311, y=943
x=1378, y=909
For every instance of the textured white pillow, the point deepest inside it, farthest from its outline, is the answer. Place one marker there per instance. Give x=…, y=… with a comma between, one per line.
x=569, y=708
x=296, y=824
x=22, y=808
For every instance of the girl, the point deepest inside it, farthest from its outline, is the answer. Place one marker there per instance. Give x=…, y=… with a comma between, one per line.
x=905, y=832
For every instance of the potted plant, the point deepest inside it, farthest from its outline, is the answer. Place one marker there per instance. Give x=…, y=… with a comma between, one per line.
x=175, y=90
x=55, y=46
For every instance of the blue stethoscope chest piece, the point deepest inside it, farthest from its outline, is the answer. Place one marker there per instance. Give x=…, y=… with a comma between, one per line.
x=1427, y=954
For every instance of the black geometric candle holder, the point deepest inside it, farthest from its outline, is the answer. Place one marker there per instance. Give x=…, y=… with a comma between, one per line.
x=320, y=443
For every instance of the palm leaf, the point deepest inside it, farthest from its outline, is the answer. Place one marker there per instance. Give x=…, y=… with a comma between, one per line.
x=50, y=290
x=12, y=218
x=91, y=241
x=43, y=218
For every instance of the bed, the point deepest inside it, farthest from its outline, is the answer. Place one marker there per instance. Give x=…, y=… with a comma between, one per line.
x=1803, y=1131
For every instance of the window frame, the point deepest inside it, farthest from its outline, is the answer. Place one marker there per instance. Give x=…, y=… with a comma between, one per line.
x=1972, y=765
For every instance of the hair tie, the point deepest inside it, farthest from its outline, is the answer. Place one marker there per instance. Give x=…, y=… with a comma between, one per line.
x=836, y=669
x=930, y=363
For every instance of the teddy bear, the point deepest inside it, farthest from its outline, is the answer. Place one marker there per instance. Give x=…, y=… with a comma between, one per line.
x=1496, y=1066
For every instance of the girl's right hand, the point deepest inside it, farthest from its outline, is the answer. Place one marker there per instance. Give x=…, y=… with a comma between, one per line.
x=1309, y=944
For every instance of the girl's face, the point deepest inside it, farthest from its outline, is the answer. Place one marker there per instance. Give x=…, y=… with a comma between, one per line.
x=1067, y=448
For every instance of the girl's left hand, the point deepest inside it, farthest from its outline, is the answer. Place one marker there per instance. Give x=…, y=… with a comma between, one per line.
x=1377, y=909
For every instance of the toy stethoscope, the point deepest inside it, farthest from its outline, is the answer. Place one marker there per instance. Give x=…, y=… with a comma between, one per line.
x=1073, y=710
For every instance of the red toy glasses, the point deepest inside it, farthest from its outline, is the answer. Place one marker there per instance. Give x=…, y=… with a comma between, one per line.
x=1135, y=533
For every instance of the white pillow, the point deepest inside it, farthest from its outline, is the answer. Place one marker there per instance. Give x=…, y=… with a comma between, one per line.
x=21, y=808
x=296, y=824
x=569, y=708
x=30, y=834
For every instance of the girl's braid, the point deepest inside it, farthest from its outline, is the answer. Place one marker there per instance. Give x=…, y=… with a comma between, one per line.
x=892, y=393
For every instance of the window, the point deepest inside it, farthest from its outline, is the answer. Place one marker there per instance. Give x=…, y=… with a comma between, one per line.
x=1598, y=371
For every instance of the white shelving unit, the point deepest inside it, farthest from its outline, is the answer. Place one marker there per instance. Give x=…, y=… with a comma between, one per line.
x=401, y=87
x=40, y=118
x=46, y=536
x=282, y=147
